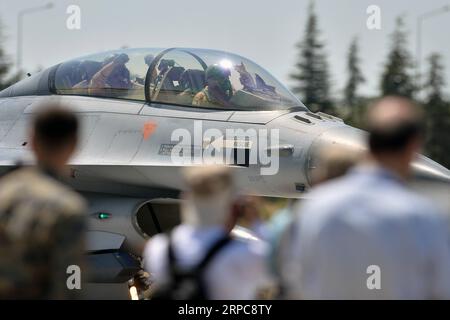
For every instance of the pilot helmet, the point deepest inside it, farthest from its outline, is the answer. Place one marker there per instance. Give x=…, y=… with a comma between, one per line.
x=165, y=64
x=221, y=75
x=217, y=72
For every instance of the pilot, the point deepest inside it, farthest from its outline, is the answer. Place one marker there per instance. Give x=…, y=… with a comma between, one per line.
x=87, y=69
x=114, y=74
x=218, y=90
x=163, y=67
x=68, y=75
x=159, y=81
x=191, y=82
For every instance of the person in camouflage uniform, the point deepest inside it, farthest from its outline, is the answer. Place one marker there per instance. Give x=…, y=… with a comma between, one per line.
x=218, y=90
x=42, y=219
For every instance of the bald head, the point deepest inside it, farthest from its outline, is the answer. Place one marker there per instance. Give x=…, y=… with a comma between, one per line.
x=393, y=123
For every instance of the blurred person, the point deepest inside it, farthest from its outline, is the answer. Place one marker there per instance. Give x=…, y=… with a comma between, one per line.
x=334, y=162
x=41, y=218
x=366, y=235
x=199, y=259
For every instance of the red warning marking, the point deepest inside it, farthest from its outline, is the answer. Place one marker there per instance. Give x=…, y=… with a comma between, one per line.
x=149, y=128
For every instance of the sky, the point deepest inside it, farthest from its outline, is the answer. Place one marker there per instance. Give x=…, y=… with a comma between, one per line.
x=264, y=31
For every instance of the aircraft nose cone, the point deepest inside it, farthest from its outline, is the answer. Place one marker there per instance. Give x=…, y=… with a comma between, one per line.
x=426, y=169
x=349, y=139
x=354, y=140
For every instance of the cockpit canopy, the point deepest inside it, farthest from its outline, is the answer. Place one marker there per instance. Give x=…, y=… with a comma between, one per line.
x=113, y=74
x=186, y=77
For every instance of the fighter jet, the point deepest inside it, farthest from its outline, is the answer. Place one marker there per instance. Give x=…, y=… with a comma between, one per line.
x=147, y=113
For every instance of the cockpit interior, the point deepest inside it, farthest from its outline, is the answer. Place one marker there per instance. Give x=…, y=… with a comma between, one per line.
x=186, y=77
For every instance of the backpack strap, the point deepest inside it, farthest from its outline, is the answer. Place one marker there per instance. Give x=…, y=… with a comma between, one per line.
x=203, y=263
x=217, y=246
x=171, y=256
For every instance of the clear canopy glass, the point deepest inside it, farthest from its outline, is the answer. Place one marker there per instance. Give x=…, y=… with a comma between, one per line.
x=113, y=74
x=187, y=77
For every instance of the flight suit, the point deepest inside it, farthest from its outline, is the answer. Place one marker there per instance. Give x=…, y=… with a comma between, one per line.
x=41, y=235
x=204, y=99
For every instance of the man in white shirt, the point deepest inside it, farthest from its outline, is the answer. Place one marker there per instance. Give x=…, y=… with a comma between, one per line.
x=366, y=235
x=238, y=270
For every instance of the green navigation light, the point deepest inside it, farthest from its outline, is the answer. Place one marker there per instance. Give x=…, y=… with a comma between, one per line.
x=103, y=215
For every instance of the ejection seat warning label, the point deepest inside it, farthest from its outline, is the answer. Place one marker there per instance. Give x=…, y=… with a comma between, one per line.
x=224, y=310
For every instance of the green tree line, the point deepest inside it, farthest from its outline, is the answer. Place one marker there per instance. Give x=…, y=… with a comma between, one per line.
x=311, y=81
x=5, y=79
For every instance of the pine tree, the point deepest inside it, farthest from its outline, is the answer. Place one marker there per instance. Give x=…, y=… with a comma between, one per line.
x=355, y=78
x=437, y=113
x=396, y=78
x=311, y=74
x=4, y=63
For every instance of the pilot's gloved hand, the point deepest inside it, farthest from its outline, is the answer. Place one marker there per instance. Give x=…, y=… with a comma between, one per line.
x=142, y=280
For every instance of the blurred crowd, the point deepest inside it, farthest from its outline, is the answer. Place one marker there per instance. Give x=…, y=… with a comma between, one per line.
x=361, y=232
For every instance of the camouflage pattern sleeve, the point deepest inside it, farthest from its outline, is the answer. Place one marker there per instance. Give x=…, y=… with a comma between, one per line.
x=68, y=251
